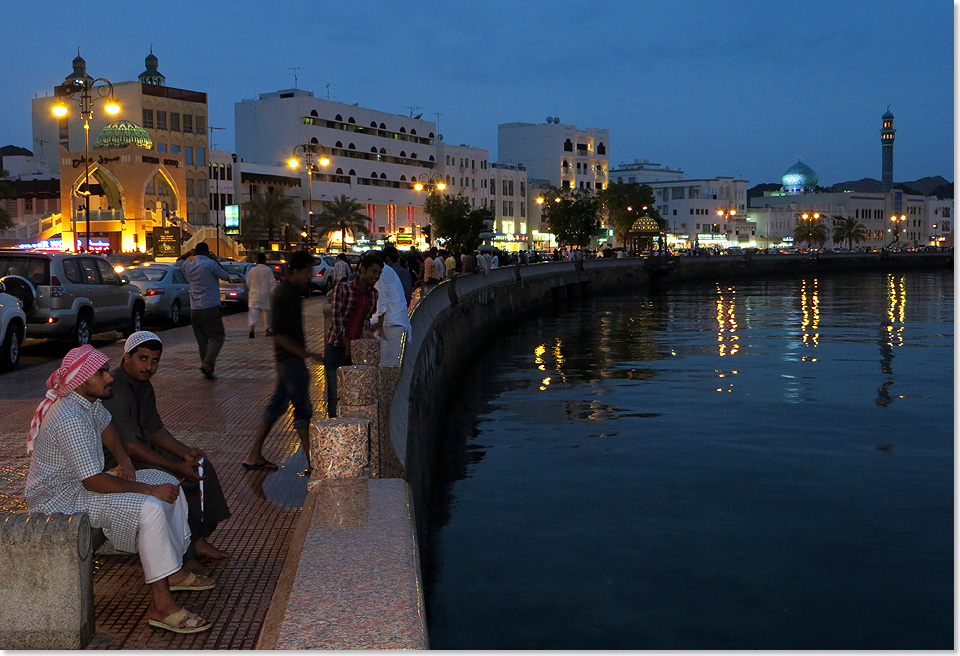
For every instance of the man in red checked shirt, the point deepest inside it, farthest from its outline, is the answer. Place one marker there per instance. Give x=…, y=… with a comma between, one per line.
x=352, y=304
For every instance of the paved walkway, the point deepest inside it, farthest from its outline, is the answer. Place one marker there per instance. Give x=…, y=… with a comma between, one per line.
x=218, y=416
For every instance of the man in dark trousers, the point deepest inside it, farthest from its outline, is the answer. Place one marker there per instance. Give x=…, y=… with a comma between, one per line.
x=293, y=379
x=151, y=446
x=352, y=304
x=205, y=274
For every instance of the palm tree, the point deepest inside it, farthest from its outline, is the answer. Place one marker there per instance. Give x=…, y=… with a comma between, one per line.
x=811, y=231
x=342, y=214
x=849, y=230
x=270, y=212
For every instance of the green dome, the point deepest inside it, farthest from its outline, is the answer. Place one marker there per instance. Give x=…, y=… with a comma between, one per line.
x=798, y=178
x=645, y=224
x=122, y=133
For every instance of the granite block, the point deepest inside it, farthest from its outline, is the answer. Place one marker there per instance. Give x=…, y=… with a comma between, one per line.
x=371, y=413
x=357, y=384
x=342, y=503
x=339, y=447
x=365, y=352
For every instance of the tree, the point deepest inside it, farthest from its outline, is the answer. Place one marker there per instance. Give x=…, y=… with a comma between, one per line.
x=455, y=222
x=6, y=191
x=342, y=214
x=623, y=203
x=573, y=215
x=849, y=230
x=269, y=212
x=811, y=231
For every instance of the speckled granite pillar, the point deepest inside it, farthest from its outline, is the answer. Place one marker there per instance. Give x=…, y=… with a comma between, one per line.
x=357, y=385
x=339, y=448
x=387, y=464
x=365, y=352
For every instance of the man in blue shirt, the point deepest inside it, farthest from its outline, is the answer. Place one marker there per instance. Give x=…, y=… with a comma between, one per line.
x=205, y=274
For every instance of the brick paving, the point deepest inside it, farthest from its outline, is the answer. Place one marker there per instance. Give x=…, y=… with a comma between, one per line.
x=218, y=416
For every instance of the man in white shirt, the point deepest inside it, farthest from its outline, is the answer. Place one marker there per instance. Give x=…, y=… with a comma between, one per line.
x=392, y=315
x=260, y=283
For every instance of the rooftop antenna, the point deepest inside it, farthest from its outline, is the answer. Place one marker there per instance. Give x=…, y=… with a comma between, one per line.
x=295, y=69
x=328, y=91
x=438, y=115
x=413, y=108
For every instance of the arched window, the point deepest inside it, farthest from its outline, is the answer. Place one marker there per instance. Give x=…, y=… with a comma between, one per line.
x=403, y=153
x=313, y=112
x=373, y=149
x=568, y=146
x=339, y=171
x=338, y=118
x=351, y=147
x=339, y=144
x=413, y=156
x=432, y=159
x=432, y=135
x=403, y=178
x=413, y=131
x=351, y=120
x=373, y=175
x=601, y=149
x=383, y=151
x=403, y=130
x=373, y=124
x=314, y=140
x=352, y=172
x=566, y=165
x=383, y=176
x=448, y=160
x=383, y=127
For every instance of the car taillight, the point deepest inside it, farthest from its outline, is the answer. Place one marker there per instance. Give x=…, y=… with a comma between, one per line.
x=154, y=292
x=233, y=293
x=320, y=274
x=55, y=281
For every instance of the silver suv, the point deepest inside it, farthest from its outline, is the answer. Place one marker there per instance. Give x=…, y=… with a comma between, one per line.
x=71, y=296
x=12, y=323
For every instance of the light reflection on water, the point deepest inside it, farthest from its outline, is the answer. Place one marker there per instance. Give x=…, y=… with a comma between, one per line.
x=750, y=465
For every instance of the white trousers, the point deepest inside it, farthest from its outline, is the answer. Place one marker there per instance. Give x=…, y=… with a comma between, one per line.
x=390, y=345
x=163, y=537
x=253, y=315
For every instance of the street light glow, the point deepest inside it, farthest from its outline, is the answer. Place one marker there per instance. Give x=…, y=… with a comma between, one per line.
x=111, y=107
x=293, y=162
x=324, y=161
x=418, y=186
x=60, y=110
x=441, y=186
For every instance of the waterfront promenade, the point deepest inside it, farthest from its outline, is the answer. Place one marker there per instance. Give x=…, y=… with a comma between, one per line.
x=218, y=416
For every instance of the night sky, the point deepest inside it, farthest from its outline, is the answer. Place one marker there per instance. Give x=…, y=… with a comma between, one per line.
x=737, y=88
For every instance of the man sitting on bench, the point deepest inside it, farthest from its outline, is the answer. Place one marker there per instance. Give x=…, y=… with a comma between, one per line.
x=140, y=512
x=151, y=446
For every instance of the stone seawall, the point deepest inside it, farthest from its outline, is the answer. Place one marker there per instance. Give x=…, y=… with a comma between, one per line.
x=453, y=321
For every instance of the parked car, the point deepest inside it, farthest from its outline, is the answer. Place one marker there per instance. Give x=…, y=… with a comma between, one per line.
x=279, y=269
x=71, y=296
x=13, y=322
x=322, y=279
x=235, y=292
x=165, y=289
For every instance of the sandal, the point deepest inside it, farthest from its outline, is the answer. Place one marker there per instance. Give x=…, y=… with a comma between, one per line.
x=194, y=583
x=183, y=621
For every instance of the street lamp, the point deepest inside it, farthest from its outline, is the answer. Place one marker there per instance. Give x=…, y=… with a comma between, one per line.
x=83, y=86
x=431, y=182
x=898, y=222
x=312, y=155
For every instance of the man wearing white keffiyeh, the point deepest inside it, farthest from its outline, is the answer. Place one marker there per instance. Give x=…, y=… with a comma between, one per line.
x=143, y=513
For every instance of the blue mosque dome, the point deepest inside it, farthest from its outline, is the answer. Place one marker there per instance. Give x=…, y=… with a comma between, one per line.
x=799, y=178
x=122, y=133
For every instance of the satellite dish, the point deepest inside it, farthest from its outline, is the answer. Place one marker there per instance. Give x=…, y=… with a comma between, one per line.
x=549, y=119
x=556, y=119
x=439, y=137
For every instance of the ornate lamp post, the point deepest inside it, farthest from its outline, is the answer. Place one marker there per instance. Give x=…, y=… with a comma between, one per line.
x=431, y=183
x=83, y=85
x=312, y=154
x=898, y=222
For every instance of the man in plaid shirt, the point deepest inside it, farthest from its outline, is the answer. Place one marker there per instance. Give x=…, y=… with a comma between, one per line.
x=352, y=304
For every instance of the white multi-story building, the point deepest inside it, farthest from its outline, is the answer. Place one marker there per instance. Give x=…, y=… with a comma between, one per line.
x=706, y=212
x=565, y=155
x=375, y=157
x=642, y=171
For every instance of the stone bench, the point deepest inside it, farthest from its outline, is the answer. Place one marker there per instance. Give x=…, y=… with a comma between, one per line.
x=47, y=585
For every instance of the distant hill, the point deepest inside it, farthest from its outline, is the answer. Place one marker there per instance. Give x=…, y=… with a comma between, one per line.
x=931, y=186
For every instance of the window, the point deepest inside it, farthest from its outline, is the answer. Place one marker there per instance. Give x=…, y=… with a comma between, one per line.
x=493, y=186
x=107, y=274
x=505, y=188
x=148, y=118
x=161, y=120
x=201, y=154
x=191, y=188
x=174, y=149
x=201, y=188
x=229, y=172
x=161, y=147
x=188, y=155
x=200, y=125
x=188, y=123
x=504, y=208
x=174, y=121
x=568, y=146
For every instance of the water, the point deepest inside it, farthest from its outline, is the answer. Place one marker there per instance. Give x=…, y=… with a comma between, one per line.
x=728, y=466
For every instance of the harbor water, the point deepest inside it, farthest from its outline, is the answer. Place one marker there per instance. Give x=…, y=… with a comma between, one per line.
x=725, y=465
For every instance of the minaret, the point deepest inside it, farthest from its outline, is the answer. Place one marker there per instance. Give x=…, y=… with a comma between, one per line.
x=152, y=75
x=887, y=135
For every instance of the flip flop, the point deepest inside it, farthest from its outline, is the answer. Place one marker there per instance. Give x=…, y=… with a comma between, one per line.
x=194, y=583
x=266, y=464
x=183, y=621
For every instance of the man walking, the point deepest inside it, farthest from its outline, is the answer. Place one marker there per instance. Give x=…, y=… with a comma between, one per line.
x=392, y=314
x=143, y=512
x=151, y=446
x=204, y=272
x=353, y=303
x=391, y=258
x=260, y=282
x=293, y=379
